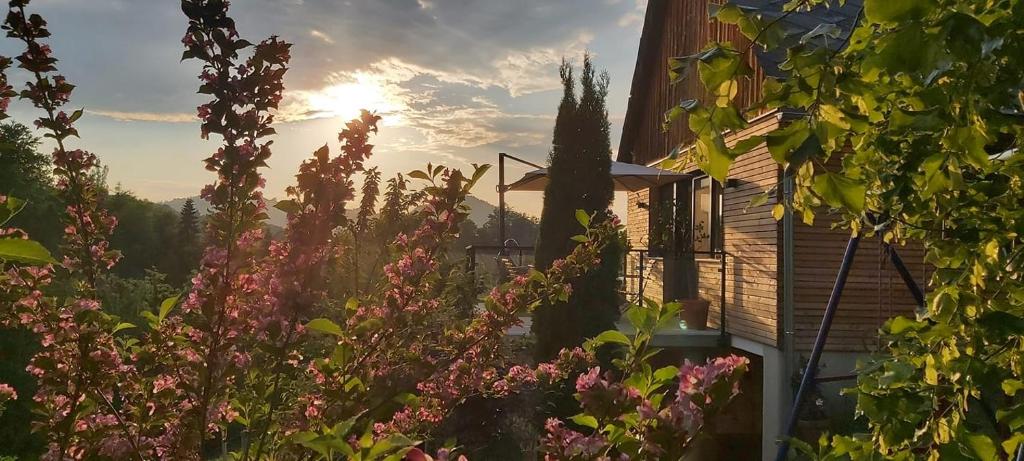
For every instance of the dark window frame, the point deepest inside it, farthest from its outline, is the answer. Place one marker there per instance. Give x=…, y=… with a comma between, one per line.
x=685, y=203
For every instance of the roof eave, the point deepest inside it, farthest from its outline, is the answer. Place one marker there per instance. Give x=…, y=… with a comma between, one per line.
x=648, y=50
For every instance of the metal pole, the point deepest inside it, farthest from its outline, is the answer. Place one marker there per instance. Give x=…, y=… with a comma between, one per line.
x=471, y=258
x=721, y=307
x=819, y=345
x=501, y=191
x=640, y=295
x=908, y=279
x=501, y=198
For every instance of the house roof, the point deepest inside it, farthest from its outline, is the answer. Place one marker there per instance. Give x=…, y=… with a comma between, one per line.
x=797, y=24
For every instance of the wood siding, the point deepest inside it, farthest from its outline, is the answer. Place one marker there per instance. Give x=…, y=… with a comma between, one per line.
x=687, y=30
x=874, y=291
x=751, y=239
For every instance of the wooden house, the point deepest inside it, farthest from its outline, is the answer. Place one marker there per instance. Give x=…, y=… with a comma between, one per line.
x=778, y=272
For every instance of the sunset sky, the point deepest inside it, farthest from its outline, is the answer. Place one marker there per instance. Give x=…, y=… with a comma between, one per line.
x=457, y=81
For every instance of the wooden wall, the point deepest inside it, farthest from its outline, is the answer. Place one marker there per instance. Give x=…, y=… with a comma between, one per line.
x=751, y=239
x=873, y=292
x=686, y=31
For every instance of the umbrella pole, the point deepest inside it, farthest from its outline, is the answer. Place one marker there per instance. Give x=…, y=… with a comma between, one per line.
x=501, y=199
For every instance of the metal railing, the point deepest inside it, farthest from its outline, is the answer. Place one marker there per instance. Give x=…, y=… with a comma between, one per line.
x=638, y=272
x=512, y=259
x=509, y=259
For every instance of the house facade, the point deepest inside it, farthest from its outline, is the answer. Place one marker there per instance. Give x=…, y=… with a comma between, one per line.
x=779, y=273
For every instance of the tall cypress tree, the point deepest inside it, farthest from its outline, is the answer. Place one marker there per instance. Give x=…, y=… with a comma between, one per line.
x=595, y=305
x=579, y=178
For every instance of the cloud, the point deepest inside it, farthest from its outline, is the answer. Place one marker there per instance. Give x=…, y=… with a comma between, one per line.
x=321, y=36
x=629, y=19
x=425, y=4
x=145, y=116
x=636, y=16
x=532, y=70
x=449, y=109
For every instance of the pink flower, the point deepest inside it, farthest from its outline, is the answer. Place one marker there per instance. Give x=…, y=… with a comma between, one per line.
x=7, y=393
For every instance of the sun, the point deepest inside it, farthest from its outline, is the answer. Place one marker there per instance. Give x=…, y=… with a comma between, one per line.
x=361, y=91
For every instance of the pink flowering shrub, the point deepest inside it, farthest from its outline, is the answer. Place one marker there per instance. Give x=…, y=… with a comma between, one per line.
x=257, y=357
x=637, y=412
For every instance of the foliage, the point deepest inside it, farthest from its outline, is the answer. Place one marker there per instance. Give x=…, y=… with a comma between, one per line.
x=518, y=226
x=910, y=125
x=637, y=412
x=580, y=149
x=143, y=232
x=25, y=172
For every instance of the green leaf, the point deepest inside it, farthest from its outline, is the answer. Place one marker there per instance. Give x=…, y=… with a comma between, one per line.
x=24, y=251
x=759, y=199
x=783, y=141
x=288, y=206
x=900, y=324
x=969, y=144
x=778, y=211
x=840, y=192
x=981, y=446
x=666, y=373
x=122, y=326
x=718, y=66
x=893, y=11
x=935, y=178
x=585, y=421
x=746, y=145
x=478, y=172
x=391, y=443
x=166, y=306
x=1011, y=386
x=418, y=174
x=612, y=336
x=716, y=157
x=583, y=218
x=10, y=208
x=325, y=326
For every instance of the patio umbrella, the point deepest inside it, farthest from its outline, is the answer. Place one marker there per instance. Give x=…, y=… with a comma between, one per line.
x=626, y=176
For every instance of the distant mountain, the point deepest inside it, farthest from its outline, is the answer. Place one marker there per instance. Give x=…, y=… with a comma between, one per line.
x=479, y=210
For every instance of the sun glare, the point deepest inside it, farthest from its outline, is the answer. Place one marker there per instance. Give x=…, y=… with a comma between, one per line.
x=344, y=100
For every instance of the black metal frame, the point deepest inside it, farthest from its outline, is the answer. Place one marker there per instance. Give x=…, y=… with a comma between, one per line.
x=810, y=372
x=502, y=250
x=502, y=188
x=720, y=255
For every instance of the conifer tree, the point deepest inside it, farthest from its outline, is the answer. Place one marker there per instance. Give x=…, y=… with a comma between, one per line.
x=189, y=247
x=579, y=178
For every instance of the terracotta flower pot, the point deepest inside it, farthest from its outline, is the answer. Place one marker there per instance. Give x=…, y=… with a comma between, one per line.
x=694, y=313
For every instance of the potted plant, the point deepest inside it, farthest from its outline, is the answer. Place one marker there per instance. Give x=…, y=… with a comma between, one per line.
x=673, y=238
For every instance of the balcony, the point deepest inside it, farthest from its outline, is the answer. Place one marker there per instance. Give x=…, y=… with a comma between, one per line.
x=496, y=264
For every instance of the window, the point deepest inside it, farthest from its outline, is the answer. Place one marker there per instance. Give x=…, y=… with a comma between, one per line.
x=685, y=216
x=703, y=214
